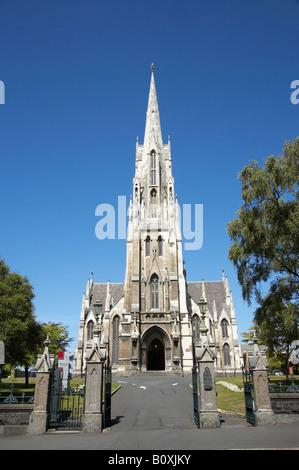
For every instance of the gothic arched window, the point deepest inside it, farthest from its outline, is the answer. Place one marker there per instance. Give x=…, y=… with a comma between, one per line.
x=147, y=246
x=195, y=327
x=160, y=246
x=226, y=354
x=115, y=340
x=224, y=327
x=90, y=329
x=153, y=168
x=153, y=203
x=154, y=285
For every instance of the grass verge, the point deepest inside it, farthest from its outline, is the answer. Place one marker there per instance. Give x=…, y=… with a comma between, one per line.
x=228, y=400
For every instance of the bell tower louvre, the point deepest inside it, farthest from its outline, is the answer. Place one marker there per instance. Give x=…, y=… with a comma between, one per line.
x=151, y=320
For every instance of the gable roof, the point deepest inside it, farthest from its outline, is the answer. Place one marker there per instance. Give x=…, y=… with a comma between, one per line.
x=214, y=290
x=100, y=291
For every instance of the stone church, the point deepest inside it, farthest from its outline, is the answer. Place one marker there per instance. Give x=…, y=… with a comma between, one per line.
x=151, y=321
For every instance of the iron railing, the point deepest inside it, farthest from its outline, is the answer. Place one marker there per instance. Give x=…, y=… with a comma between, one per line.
x=15, y=399
x=284, y=388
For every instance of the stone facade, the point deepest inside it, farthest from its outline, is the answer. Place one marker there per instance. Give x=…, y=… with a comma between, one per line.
x=150, y=321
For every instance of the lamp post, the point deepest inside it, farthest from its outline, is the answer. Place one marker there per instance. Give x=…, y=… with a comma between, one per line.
x=97, y=307
x=203, y=310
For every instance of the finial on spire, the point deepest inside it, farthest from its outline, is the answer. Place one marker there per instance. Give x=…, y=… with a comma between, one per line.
x=152, y=67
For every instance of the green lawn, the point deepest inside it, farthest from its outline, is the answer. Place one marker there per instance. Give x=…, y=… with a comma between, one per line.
x=228, y=400
x=234, y=401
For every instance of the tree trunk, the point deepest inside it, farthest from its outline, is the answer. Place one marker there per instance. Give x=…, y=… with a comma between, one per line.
x=26, y=376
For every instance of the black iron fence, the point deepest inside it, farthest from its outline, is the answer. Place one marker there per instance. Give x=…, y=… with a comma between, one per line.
x=107, y=380
x=66, y=404
x=248, y=395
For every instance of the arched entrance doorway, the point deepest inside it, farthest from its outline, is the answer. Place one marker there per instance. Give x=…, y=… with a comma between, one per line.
x=156, y=351
x=156, y=355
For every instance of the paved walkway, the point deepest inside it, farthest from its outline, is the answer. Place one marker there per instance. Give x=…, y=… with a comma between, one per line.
x=156, y=413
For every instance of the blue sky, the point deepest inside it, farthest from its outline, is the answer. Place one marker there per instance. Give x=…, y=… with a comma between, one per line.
x=77, y=75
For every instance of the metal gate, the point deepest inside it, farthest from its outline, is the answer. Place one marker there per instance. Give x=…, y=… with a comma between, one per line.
x=248, y=394
x=195, y=396
x=66, y=404
x=107, y=375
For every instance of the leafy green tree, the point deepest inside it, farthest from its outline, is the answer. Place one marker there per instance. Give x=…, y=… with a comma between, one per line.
x=19, y=331
x=265, y=240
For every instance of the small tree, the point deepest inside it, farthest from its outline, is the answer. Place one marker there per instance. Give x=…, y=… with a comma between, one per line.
x=278, y=328
x=249, y=335
x=58, y=335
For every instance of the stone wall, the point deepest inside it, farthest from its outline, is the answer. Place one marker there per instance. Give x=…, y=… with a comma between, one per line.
x=285, y=406
x=14, y=418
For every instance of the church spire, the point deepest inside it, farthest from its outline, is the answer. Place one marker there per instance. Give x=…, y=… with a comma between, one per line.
x=153, y=184
x=152, y=134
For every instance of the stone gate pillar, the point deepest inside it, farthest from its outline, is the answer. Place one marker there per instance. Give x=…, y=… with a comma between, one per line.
x=205, y=357
x=95, y=358
x=261, y=397
x=44, y=368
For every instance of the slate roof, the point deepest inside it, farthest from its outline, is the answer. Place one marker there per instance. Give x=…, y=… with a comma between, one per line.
x=213, y=290
x=249, y=347
x=100, y=291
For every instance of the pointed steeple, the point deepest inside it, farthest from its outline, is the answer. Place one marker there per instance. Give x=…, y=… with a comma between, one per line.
x=152, y=134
